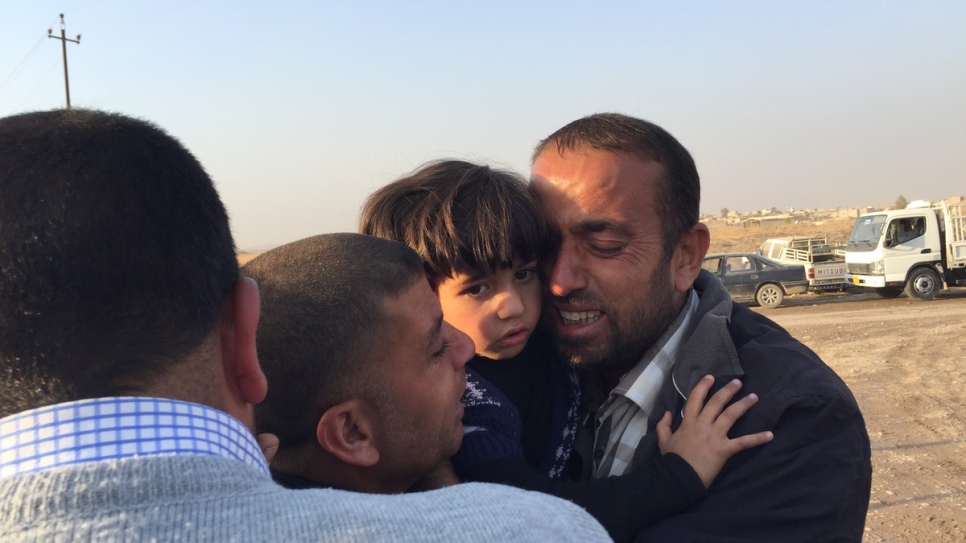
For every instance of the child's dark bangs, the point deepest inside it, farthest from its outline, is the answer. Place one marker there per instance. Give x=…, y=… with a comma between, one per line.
x=501, y=236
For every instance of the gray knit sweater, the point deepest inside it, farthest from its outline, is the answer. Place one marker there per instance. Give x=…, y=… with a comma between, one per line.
x=208, y=498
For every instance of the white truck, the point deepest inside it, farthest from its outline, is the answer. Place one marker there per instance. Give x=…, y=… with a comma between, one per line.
x=824, y=264
x=919, y=250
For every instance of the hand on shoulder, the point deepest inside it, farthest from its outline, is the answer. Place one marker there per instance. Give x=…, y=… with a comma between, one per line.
x=702, y=439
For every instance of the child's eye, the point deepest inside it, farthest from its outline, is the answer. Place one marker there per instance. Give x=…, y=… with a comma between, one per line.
x=525, y=274
x=475, y=290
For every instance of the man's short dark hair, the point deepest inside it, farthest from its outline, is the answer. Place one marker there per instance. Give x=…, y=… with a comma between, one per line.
x=115, y=256
x=323, y=317
x=678, y=199
x=460, y=217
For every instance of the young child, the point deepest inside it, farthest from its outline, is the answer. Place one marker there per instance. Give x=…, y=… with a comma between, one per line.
x=481, y=235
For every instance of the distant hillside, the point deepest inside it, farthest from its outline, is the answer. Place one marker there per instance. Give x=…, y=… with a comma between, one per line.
x=731, y=239
x=245, y=257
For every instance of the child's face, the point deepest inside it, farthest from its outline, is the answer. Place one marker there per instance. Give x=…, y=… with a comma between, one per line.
x=498, y=311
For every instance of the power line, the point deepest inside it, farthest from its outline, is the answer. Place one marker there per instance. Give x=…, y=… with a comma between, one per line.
x=20, y=66
x=39, y=83
x=23, y=63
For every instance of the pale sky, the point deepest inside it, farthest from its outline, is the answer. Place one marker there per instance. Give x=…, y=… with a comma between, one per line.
x=300, y=109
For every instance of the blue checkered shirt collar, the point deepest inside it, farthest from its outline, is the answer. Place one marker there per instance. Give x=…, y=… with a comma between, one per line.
x=116, y=428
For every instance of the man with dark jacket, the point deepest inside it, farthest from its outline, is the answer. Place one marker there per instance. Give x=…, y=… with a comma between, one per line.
x=630, y=306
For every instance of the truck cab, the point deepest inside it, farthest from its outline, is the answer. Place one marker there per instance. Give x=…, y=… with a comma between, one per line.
x=901, y=250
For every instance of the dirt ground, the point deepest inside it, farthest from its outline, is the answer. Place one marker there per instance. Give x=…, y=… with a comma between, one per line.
x=904, y=361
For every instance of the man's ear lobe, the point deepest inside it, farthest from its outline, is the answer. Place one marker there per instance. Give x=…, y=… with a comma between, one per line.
x=347, y=432
x=238, y=342
x=689, y=256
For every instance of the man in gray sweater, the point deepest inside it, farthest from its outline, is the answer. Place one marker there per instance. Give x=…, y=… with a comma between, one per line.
x=128, y=368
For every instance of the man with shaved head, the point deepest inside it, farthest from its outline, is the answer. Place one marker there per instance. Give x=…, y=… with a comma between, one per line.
x=367, y=376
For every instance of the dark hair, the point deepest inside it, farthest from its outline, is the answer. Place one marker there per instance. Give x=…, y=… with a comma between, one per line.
x=460, y=217
x=323, y=313
x=115, y=256
x=679, y=197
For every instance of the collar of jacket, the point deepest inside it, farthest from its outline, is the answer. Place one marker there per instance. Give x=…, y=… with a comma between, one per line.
x=707, y=347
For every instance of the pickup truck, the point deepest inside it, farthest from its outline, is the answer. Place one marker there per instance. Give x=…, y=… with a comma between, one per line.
x=824, y=264
x=918, y=250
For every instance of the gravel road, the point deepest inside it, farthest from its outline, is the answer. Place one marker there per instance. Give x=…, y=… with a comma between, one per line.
x=904, y=361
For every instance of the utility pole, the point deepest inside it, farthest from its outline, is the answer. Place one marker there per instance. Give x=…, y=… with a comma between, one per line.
x=63, y=42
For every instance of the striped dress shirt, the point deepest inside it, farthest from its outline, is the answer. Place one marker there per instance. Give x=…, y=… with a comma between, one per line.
x=622, y=419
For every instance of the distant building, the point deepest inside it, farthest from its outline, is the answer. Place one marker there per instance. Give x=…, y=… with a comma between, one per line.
x=850, y=213
x=769, y=220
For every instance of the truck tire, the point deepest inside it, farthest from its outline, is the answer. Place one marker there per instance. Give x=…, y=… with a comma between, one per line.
x=888, y=292
x=923, y=284
x=769, y=295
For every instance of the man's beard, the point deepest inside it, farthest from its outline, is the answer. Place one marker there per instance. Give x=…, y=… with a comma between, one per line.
x=631, y=333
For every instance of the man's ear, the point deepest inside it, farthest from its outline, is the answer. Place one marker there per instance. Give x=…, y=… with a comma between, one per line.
x=239, y=320
x=347, y=432
x=689, y=256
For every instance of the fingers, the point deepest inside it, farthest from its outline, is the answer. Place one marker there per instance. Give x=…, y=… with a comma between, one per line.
x=737, y=409
x=741, y=443
x=720, y=400
x=695, y=403
x=664, y=429
x=731, y=414
x=717, y=414
x=268, y=443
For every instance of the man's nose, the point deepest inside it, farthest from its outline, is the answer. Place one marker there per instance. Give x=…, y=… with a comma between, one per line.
x=566, y=273
x=463, y=348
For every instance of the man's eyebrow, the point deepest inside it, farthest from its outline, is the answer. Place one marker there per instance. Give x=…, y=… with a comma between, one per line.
x=592, y=226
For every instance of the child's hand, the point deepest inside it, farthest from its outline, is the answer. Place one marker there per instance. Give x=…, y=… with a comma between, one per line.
x=702, y=439
x=268, y=443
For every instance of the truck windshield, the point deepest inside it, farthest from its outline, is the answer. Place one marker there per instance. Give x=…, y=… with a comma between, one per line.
x=866, y=233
